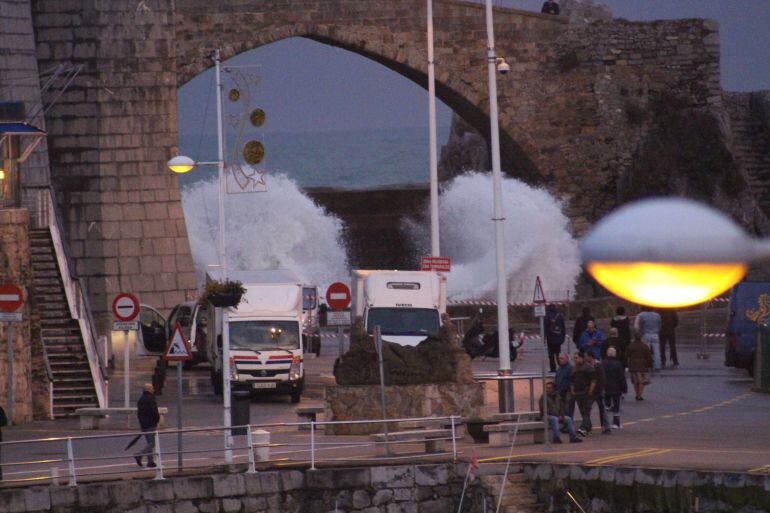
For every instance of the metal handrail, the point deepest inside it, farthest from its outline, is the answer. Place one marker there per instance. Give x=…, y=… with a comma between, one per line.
x=298, y=447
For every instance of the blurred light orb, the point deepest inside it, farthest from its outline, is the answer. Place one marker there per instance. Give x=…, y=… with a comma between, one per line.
x=667, y=252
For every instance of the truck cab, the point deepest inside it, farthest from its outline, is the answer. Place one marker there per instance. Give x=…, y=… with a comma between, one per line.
x=265, y=334
x=749, y=307
x=407, y=305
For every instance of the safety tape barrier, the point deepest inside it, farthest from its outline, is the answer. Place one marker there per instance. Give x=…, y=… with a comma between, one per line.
x=487, y=302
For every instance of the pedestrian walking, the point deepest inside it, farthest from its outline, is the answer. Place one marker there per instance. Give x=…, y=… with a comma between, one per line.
x=582, y=388
x=598, y=395
x=592, y=340
x=149, y=417
x=669, y=322
x=3, y=423
x=614, y=384
x=613, y=340
x=648, y=324
x=556, y=416
x=639, y=358
x=580, y=325
x=555, y=333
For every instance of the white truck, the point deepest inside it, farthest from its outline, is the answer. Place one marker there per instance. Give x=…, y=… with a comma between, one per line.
x=266, y=334
x=407, y=305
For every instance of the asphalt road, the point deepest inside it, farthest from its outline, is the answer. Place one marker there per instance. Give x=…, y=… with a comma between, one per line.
x=699, y=416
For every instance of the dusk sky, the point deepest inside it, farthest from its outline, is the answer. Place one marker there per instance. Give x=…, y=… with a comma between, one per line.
x=311, y=87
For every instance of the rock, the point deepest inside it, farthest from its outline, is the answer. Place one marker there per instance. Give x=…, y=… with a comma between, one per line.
x=465, y=151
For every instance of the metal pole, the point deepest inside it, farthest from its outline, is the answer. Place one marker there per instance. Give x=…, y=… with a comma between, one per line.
x=506, y=396
x=10, y=373
x=542, y=372
x=312, y=445
x=179, y=415
x=223, y=260
x=340, y=340
x=159, y=458
x=126, y=371
x=252, y=463
x=378, y=343
x=434, y=231
x=702, y=355
x=71, y=463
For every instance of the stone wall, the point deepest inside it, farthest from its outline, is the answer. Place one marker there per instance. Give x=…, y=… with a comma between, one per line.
x=111, y=133
x=636, y=490
x=397, y=489
x=15, y=268
x=356, y=402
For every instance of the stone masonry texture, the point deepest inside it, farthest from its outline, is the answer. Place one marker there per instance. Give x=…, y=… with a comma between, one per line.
x=563, y=106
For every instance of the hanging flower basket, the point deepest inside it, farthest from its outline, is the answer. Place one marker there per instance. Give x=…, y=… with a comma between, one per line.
x=223, y=294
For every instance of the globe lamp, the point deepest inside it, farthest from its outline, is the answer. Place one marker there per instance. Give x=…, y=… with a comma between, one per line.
x=668, y=252
x=181, y=164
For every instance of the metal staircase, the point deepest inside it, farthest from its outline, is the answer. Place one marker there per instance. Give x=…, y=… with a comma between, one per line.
x=73, y=385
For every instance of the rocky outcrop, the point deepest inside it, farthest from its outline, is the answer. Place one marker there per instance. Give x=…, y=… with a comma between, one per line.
x=465, y=150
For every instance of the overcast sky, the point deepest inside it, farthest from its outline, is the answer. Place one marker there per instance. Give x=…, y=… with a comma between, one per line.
x=307, y=86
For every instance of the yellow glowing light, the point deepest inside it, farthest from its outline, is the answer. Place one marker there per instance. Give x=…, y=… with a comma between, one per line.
x=181, y=164
x=181, y=169
x=2, y=174
x=667, y=284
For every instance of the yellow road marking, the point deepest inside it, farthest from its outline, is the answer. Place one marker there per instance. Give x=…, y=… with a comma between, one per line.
x=622, y=456
x=666, y=416
x=760, y=470
x=543, y=453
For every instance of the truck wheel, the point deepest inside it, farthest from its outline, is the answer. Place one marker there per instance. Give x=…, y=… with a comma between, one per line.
x=217, y=384
x=295, y=397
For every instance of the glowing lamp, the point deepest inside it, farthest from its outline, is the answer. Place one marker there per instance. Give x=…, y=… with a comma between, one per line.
x=668, y=252
x=181, y=164
x=2, y=174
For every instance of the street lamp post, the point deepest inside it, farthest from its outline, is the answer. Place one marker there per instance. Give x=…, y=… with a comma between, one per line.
x=182, y=164
x=505, y=393
x=435, y=247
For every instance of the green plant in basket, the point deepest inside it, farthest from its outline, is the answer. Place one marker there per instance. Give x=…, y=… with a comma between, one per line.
x=223, y=294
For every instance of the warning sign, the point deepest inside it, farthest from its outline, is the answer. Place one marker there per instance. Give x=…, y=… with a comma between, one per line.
x=178, y=350
x=539, y=296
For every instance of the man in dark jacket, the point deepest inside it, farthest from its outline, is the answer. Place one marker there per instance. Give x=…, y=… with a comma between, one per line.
x=582, y=389
x=147, y=413
x=623, y=325
x=555, y=412
x=669, y=321
x=555, y=332
x=581, y=323
x=563, y=378
x=598, y=395
x=614, y=384
x=550, y=7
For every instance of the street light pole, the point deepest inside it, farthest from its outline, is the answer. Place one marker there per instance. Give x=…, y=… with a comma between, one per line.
x=505, y=394
x=435, y=248
x=223, y=258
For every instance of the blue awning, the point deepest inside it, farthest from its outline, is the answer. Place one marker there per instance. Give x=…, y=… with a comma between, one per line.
x=19, y=129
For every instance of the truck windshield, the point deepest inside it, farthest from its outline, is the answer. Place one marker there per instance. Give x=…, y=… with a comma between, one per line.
x=403, y=321
x=264, y=335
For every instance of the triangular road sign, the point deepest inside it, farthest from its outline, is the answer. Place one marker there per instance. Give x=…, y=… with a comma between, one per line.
x=177, y=350
x=539, y=296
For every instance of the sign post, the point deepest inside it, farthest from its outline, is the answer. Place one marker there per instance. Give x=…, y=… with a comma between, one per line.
x=338, y=298
x=11, y=298
x=178, y=350
x=538, y=298
x=378, y=344
x=125, y=308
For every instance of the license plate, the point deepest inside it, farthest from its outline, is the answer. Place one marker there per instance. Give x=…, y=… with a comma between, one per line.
x=264, y=385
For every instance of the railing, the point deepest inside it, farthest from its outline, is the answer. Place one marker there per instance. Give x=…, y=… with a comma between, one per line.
x=529, y=377
x=49, y=374
x=47, y=215
x=82, y=457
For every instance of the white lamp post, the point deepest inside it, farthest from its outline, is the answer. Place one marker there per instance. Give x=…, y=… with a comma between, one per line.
x=182, y=164
x=669, y=252
x=435, y=247
x=505, y=385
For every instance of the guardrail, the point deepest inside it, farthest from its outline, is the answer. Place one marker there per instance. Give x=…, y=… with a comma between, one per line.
x=76, y=458
x=530, y=377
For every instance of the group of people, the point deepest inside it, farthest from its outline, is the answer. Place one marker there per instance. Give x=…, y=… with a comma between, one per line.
x=597, y=372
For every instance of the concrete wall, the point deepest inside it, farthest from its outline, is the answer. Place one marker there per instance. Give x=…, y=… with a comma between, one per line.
x=398, y=489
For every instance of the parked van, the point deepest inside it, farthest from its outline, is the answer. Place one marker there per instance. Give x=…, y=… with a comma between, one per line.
x=749, y=306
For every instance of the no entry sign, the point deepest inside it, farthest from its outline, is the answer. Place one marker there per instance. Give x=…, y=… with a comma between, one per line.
x=338, y=296
x=11, y=297
x=125, y=307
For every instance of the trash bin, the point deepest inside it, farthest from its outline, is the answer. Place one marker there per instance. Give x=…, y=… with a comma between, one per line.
x=239, y=410
x=762, y=360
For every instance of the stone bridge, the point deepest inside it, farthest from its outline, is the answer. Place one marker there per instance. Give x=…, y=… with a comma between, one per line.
x=564, y=117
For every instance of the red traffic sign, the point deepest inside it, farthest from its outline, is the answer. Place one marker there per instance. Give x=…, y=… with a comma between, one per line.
x=440, y=264
x=177, y=350
x=125, y=307
x=11, y=297
x=338, y=296
x=538, y=297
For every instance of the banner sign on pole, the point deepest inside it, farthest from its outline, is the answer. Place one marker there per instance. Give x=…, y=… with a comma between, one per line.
x=125, y=325
x=440, y=264
x=337, y=318
x=10, y=316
